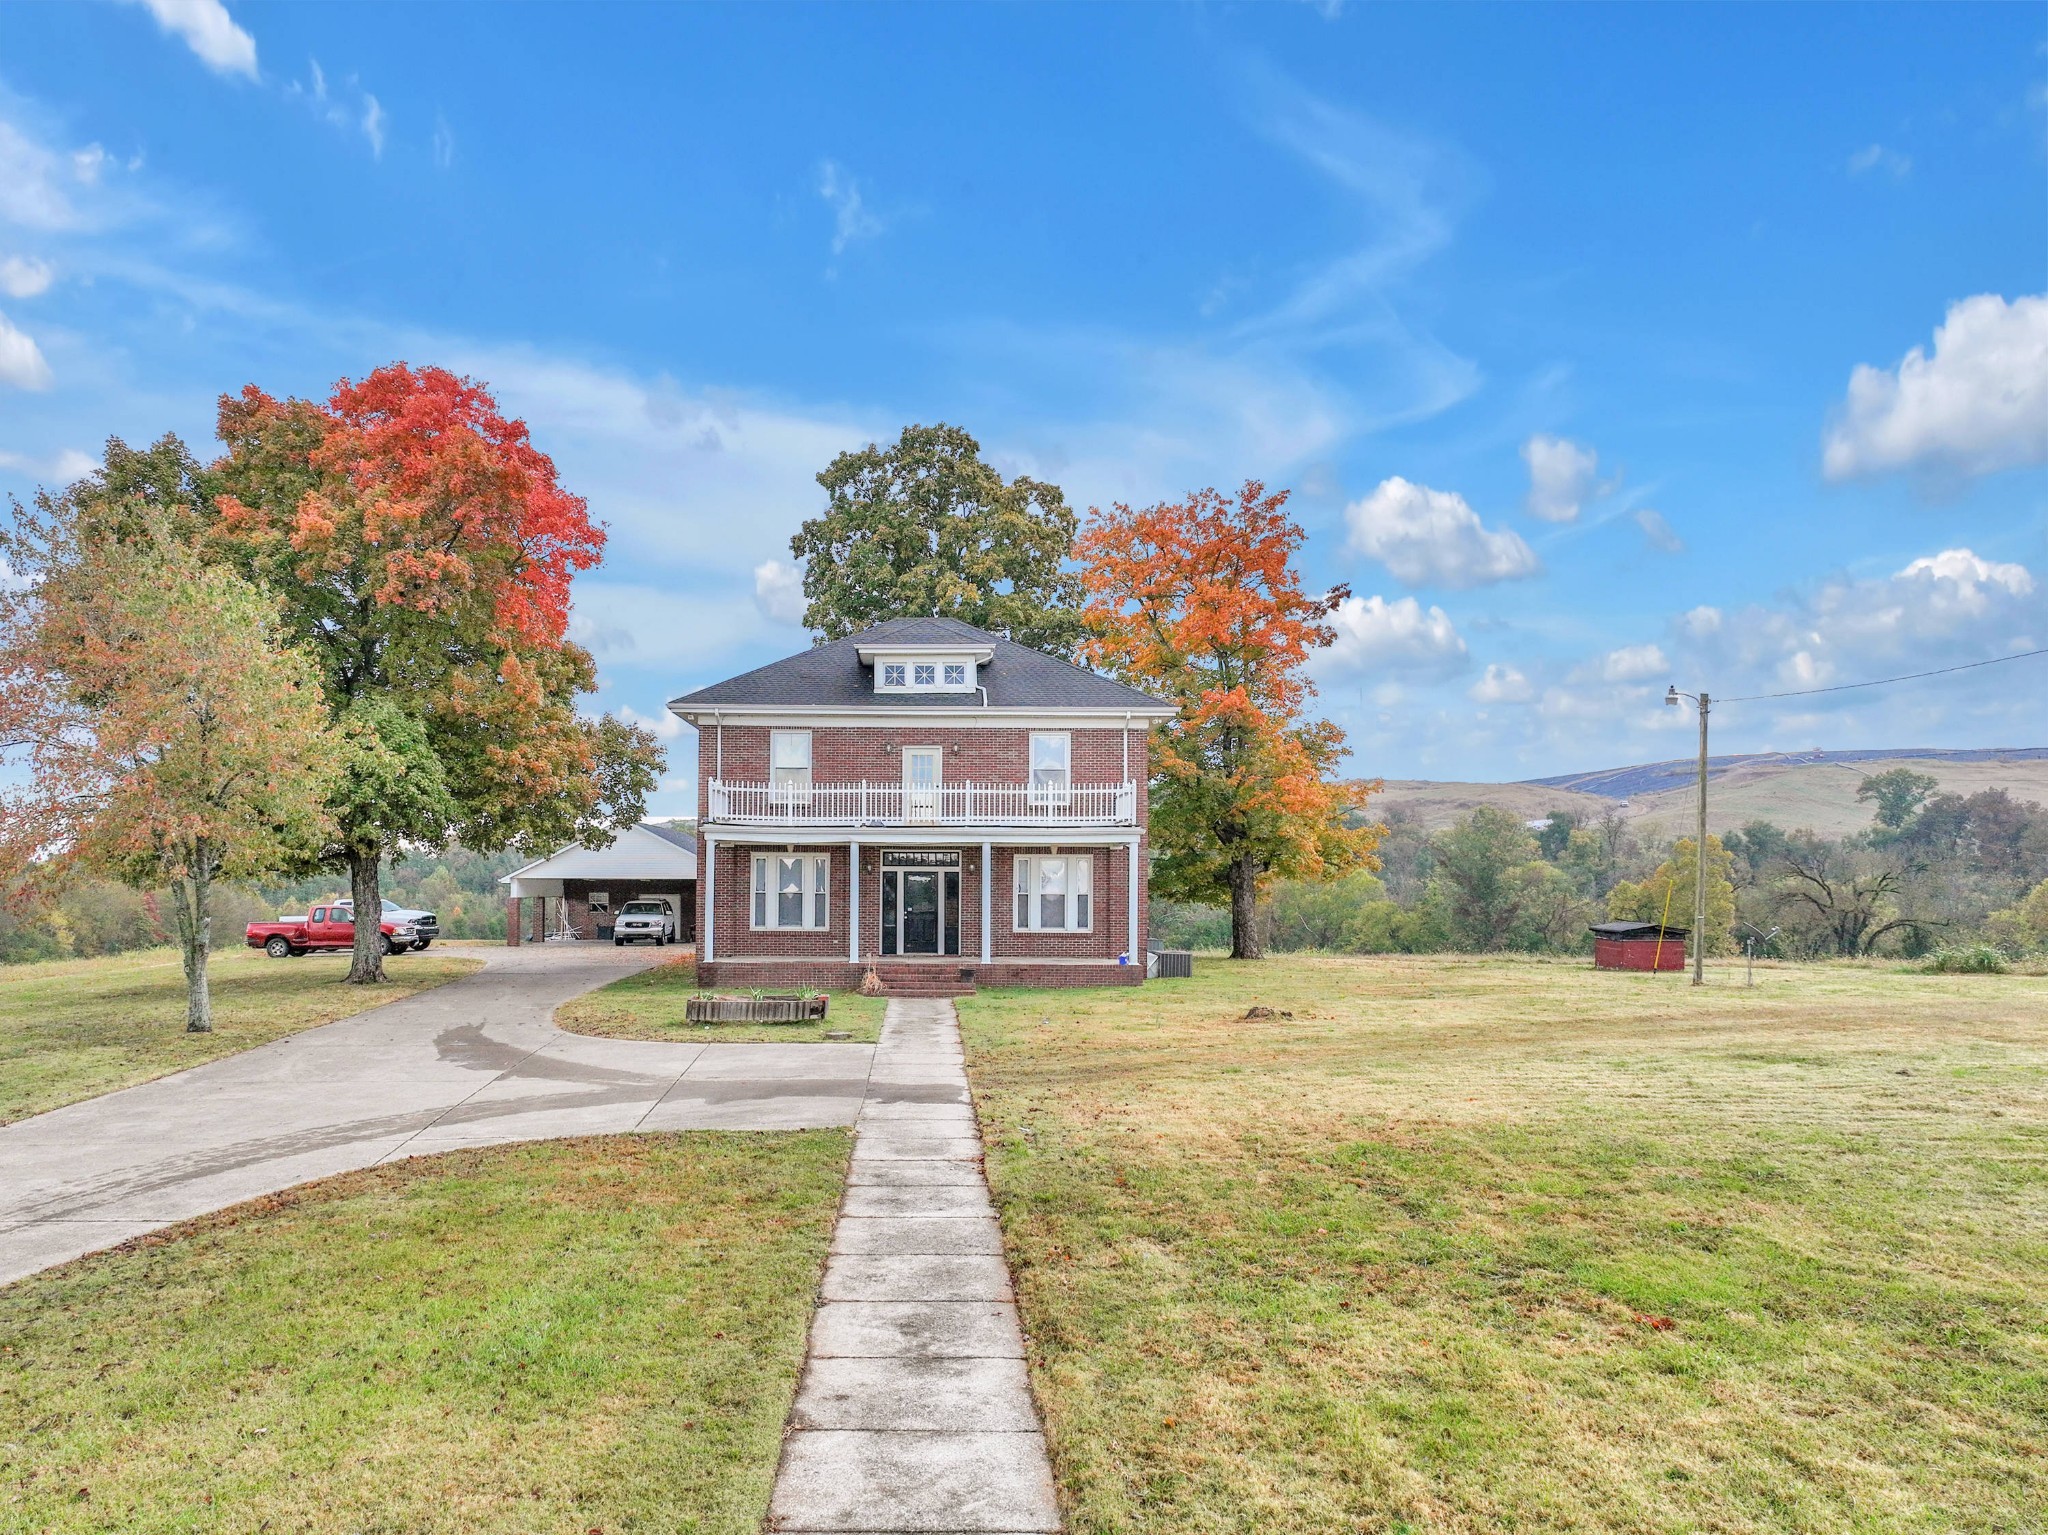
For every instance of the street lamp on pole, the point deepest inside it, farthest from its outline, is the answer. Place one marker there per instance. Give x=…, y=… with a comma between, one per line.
x=1699, y=890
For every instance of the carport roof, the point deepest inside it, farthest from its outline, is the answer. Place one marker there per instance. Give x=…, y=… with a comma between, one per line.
x=648, y=851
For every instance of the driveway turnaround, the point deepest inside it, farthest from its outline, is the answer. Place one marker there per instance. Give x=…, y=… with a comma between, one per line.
x=914, y=1413
x=472, y=1063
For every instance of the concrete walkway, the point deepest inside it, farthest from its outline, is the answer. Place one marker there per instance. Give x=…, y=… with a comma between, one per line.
x=472, y=1063
x=914, y=1413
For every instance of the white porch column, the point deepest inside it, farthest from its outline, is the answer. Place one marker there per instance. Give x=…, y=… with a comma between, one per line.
x=988, y=877
x=1131, y=894
x=710, y=900
x=853, y=903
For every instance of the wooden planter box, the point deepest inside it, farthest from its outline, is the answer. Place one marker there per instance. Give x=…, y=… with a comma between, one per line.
x=753, y=1009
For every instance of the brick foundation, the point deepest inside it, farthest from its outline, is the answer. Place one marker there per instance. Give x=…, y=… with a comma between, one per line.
x=828, y=976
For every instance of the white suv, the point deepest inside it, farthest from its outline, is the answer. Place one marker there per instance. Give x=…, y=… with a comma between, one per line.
x=649, y=919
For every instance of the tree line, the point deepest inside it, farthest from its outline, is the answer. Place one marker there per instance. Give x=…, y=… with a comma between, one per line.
x=1932, y=871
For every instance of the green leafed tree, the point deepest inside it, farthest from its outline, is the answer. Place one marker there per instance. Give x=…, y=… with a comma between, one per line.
x=170, y=734
x=1670, y=890
x=925, y=529
x=1898, y=794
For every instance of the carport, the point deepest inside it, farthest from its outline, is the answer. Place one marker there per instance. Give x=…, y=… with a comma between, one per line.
x=574, y=892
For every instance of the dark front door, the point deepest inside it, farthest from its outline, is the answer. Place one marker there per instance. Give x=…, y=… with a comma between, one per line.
x=920, y=911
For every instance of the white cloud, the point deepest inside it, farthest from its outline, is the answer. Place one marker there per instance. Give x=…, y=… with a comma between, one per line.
x=1374, y=634
x=1501, y=685
x=21, y=360
x=1877, y=157
x=1561, y=477
x=779, y=592
x=34, y=187
x=24, y=277
x=1701, y=622
x=851, y=218
x=1978, y=404
x=62, y=468
x=443, y=143
x=364, y=114
x=1432, y=537
x=209, y=32
x=1633, y=663
x=1659, y=532
x=661, y=723
x=1942, y=609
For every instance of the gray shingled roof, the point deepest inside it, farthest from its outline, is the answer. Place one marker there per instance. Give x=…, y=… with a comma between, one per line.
x=832, y=677
x=685, y=840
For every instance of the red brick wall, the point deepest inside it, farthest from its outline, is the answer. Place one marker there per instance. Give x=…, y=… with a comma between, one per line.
x=735, y=939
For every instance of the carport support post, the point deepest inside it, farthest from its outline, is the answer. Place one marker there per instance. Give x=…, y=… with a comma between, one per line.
x=512, y=916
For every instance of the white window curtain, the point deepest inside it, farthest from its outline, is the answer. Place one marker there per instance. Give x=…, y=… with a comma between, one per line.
x=791, y=891
x=789, y=766
x=1052, y=773
x=1056, y=895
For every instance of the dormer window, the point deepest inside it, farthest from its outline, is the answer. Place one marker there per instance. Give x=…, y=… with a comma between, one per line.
x=915, y=674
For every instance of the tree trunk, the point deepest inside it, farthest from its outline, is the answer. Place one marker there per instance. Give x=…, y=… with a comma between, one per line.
x=1244, y=908
x=366, y=961
x=191, y=899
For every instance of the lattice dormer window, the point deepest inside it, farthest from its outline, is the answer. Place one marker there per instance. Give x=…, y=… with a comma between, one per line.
x=922, y=674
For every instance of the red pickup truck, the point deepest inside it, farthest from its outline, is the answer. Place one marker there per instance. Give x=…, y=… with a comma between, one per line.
x=328, y=927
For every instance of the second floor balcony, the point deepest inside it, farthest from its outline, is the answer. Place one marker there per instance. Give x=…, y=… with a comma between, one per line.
x=948, y=804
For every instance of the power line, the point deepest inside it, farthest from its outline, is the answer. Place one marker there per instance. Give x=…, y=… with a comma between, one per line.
x=1845, y=687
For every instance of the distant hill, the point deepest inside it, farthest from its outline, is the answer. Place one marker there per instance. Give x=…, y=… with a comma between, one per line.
x=1812, y=790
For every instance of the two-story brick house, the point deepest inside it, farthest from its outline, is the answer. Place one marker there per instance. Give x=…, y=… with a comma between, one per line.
x=925, y=799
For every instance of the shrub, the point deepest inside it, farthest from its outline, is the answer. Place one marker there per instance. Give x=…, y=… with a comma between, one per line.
x=1971, y=959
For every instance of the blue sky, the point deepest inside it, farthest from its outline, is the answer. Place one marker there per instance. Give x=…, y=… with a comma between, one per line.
x=1602, y=346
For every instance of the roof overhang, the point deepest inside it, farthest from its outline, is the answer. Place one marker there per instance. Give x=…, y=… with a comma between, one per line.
x=968, y=714
x=981, y=653
x=636, y=853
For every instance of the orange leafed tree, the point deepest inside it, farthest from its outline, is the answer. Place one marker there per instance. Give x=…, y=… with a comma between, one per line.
x=1199, y=602
x=425, y=548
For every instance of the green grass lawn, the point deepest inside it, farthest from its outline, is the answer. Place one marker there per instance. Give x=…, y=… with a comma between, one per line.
x=569, y=1336
x=649, y=1005
x=70, y=1029
x=1485, y=1245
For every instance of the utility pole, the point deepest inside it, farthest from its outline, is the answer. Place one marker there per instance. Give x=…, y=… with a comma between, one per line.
x=1699, y=888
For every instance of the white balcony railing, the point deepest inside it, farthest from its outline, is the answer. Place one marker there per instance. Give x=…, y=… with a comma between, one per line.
x=953, y=804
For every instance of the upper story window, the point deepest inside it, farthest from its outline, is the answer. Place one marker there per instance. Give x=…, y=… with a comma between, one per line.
x=1052, y=767
x=789, y=766
x=941, y=674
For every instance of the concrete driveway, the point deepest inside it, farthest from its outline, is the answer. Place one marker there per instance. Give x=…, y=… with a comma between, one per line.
x=472, y=1063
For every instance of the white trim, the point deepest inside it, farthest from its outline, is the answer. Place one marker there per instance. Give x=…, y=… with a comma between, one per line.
x=710, y=847
x=992, y=717
x=988, y=879
x=923, y=836
x=815, y=892
x=1031, y=894
x=979, y=654
x=1131, y=896
x=852, y=902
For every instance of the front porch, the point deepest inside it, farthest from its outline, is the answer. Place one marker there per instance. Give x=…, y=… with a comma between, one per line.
x=1008, y=907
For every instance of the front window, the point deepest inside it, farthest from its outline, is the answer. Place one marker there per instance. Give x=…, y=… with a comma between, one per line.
x=789, y=766
x=925, y=674
x=790, y=891
x=892, y=675
x=1052, y=774
x=1055, y=895
x=956, y=675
